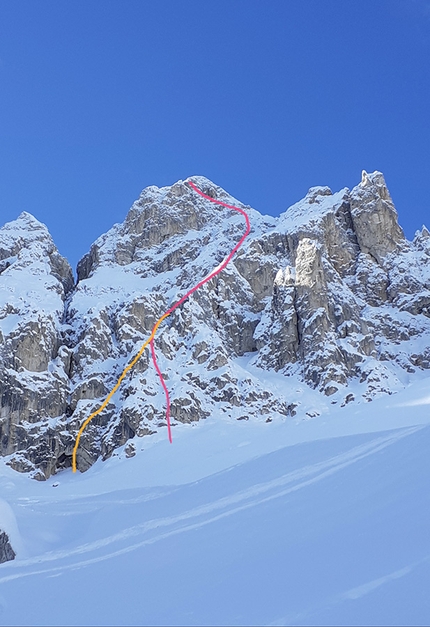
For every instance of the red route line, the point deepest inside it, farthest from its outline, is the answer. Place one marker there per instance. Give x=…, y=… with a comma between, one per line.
x=150, y=340
x=192, y=290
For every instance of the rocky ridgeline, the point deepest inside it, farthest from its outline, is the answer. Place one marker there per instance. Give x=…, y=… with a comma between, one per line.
x=330, y=294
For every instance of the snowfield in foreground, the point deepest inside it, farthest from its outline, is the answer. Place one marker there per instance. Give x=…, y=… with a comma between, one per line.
x=323, y=521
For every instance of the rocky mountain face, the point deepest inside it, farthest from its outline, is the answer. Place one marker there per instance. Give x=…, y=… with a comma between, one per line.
x=329, y=296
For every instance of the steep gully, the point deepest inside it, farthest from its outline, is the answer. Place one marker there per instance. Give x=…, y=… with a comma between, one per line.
x=150, y=340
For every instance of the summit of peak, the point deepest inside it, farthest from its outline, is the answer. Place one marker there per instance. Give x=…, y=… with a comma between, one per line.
x=372, y=178
x=28, y=217
x=30, y=241
x=25, y=220
x=23, y=231
x=318, y=190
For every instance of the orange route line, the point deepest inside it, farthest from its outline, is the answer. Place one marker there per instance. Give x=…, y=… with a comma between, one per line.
x=112, y=392
x=150, y=340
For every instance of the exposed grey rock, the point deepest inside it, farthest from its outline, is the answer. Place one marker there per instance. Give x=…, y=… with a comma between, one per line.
x=130, y=450
x=6, y=551
x=374, y=217
x=34, y=380
x=329, y=293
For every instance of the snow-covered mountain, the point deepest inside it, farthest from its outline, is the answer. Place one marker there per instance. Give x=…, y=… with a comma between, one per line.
x=325, y=305
x=296, y=500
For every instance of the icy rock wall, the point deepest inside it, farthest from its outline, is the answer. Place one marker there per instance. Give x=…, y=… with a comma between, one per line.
x=34, y=377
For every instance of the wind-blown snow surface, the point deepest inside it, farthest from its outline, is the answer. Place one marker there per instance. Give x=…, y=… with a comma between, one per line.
x=295, y=522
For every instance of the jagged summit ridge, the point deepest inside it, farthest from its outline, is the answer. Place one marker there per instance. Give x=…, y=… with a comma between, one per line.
x=158, y=215
x=329, y=295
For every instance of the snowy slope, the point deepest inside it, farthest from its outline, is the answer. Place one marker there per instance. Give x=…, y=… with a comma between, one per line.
x=321, y=521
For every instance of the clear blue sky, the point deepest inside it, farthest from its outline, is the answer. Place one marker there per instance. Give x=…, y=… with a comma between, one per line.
x=100, y=98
